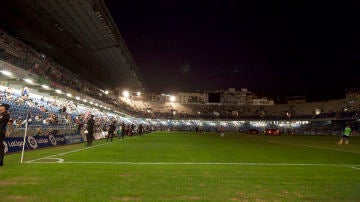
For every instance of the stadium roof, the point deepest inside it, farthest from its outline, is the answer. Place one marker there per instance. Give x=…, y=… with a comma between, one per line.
x=78, y=34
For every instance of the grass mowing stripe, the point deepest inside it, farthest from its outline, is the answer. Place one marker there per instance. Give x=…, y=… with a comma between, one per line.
x=314, y=147
x=72, y=151
x=204, y=163
x=64, y=153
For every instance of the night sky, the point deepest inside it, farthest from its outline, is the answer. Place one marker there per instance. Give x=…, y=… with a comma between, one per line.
x=274, y=49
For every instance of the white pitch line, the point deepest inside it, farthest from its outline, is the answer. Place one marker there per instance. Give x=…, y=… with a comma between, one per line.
x=356, y=168
x=59, y=160
x=76, y=150
x=204, y=163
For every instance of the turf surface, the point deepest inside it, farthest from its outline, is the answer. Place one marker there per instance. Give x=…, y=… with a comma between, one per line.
x=178, y=166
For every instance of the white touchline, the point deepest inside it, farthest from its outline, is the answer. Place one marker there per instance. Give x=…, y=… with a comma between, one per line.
x=76, y=150
x=205, y=163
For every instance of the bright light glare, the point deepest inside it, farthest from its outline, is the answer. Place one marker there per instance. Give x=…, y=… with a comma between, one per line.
x=84, y=100
x=6, y=73
x=58, y=91
x=172, y=98
x=126, y=94
x=29, y=81
x=106, y=92
x=68, y=94
x=45, y=87
x=138, y=93
x=91, y=103
x=77, y=98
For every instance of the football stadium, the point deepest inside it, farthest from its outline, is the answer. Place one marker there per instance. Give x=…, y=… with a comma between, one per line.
x=80, y=122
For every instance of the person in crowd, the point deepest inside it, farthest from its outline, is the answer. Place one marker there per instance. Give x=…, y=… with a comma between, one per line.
x=25, y=93
x=9, y=128
x=111, y=131
x=38, y=132
x=63, y=110
x=4, y=119
x=346, y=135
x=90, y=130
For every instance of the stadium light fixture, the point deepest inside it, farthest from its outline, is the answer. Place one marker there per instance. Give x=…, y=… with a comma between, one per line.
x=58, y=91
x=29, y=81
x=77, y=98
x=126, y=94
x=6, y=73
x=172, y=98
x=68, y=94
x=45, y=87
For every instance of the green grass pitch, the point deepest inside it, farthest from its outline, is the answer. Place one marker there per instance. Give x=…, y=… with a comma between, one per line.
x=181, y=166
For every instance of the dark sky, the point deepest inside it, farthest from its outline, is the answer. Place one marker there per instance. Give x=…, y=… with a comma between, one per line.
x=273, y=49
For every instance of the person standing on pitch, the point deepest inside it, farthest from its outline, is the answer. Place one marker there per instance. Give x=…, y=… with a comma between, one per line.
x=346, y=135
x=140, y=129
x=111, y=131
x=123, y=130
x=90, y=130
x=118, y=132
x=4, y=119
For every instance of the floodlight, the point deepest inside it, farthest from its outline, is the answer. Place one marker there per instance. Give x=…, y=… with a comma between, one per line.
x=6, y=73
x=45, y=87
x=29, y=81
x=126, y=94
x=172, y=98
